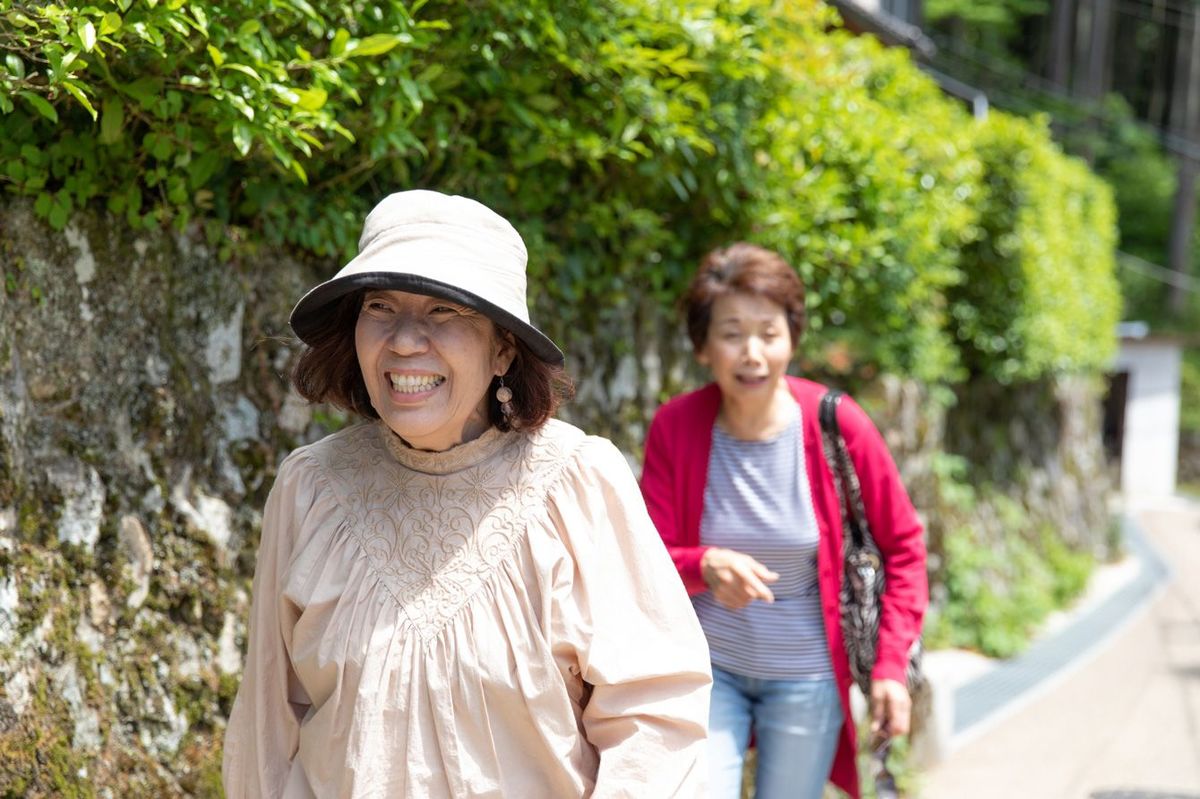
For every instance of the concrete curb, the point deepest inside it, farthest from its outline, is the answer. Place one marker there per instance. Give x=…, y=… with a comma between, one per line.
x=966, y=707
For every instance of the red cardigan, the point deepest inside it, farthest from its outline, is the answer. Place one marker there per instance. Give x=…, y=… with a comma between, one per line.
x=673, y=480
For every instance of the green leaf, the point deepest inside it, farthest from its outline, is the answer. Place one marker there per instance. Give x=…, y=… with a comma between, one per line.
x=54, y=55
x=110, y=24
x=67, y=60
x=42, y=204
x=299, y=170
x=245, y=70
x=338, y=45
x=312, y=99
x=248, y=28
x=112, y=119
x=15, y=66
x=163, y=148
x=87, y=34
x=241, y=105
x=242, y=137
x=202, y=168
x=59, y=213
x=40, y=105
x=412, y=93
x=77, y=92
x=377, y=44
x=285, y=93
x=124, y=5
x=304, y=7
x=218, y=58
x=145, y=90
x=201, y=17
x=6, y=105
x=543, y=102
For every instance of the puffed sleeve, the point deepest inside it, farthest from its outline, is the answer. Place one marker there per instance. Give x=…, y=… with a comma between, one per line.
x=625, y=625
x=659, y=486
x=264, y=726
x=900, y=535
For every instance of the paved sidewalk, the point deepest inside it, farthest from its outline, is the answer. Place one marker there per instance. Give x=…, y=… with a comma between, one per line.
x=1123, y=724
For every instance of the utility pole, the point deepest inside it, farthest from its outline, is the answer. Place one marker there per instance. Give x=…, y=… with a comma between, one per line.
x=1058, y=55
x=1062, y=28
x=1099, y=62
x=1185, y=123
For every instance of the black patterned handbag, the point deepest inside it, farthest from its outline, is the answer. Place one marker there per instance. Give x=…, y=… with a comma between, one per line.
x=864, y=578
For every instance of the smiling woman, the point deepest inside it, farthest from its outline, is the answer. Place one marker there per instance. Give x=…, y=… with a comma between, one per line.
x=428, y=365
x=738, y=486
x=460, y=597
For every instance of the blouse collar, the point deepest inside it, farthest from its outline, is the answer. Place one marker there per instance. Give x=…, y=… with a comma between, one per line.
x=459, y=457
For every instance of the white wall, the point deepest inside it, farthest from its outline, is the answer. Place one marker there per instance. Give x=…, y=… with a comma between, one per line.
x=1150, y=449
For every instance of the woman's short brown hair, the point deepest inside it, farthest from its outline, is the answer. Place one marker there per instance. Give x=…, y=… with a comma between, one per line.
x=328, y=371
x=743, y=268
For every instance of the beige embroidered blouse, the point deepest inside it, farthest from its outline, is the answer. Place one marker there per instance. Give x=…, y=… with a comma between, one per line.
x=497, y=620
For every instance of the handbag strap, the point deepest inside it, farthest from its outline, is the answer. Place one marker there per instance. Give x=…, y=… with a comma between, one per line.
x=838, y=458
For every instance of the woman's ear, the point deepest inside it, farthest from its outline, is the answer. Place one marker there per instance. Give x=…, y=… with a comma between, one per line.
x=506, y=352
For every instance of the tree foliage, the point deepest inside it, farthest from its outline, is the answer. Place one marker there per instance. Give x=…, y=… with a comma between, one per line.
x=872, y=196
x=624, y=138
x=1040, y=294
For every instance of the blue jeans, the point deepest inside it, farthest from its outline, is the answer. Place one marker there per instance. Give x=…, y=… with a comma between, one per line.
x=796, y=725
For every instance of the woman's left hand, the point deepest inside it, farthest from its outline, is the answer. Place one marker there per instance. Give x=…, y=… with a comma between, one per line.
x=891, y=707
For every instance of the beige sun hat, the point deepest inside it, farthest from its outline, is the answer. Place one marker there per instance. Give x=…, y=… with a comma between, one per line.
x=439, y=245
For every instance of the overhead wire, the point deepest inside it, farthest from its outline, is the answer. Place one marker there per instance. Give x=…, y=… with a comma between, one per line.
x=1173, y=141
x=1159, y=273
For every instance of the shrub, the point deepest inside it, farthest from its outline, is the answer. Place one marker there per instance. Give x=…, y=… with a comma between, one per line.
x=1040, y=294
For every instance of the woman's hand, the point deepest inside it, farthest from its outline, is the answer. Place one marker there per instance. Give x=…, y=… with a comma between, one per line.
x=736, y=579
x=891, y=708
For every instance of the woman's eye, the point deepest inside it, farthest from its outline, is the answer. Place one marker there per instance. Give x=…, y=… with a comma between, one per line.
x=377, y=306
x=443, y=309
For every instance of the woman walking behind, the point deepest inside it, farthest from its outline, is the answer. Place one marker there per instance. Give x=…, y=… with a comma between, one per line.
x=737, y=483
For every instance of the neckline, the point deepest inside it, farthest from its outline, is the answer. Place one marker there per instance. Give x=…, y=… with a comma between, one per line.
x=459, y=457
x=788, y=430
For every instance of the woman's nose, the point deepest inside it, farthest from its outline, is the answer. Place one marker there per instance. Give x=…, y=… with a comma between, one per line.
x=754, y=349
x=408, y=335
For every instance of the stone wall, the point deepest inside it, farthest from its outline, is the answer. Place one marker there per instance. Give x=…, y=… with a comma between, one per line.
x=142, y=412
x=1040, y=443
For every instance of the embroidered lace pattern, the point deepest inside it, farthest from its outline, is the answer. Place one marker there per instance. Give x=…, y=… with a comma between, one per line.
x=434, y=526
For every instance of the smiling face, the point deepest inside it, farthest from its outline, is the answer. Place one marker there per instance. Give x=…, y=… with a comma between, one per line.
x=428, y=365
x=748, y=346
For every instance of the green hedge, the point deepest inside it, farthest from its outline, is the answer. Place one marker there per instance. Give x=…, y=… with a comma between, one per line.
x=870, y=189
x=1040, y=294
x=624, y=137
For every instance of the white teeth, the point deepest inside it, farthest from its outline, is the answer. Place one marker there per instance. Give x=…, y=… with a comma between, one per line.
x=411, y=384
